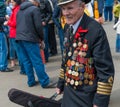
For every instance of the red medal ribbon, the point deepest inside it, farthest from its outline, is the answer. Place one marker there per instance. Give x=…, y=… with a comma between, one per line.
x=80, y=30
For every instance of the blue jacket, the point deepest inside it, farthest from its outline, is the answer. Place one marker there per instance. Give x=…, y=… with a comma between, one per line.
x=109, y=2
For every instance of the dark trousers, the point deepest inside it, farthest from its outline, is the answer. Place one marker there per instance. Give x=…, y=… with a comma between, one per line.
x=52, y=39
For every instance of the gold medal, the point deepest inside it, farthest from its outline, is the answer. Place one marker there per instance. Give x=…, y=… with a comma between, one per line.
x=85, y=46
x=79, y=44
x=86, y=81
x=90, y=82
x=86, y=75
x=75, y=52
x=81, y=74
x=80, y=82
x=76, y=83
x=72, y=82
x=72, y=62
x=76, y=74
x=90, y=76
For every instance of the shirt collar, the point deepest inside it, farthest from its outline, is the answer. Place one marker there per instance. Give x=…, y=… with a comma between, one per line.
x=75, y=26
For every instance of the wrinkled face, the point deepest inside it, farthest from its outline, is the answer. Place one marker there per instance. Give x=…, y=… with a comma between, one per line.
x=73, y=11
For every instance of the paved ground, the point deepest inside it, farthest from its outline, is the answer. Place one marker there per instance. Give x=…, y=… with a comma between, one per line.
x=15, y=80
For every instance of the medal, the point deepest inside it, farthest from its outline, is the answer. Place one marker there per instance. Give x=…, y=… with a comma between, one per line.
x=73, y=73
x=69, y=71
x=72, y=63
x=69, y=53
x=76, y=74
x=90, y=82
x=86, y=81
x=75, y=52
x=90, y=76
x=80, y=53
x=76, y=83
x=79, y=44
x=85, y=46
x=80, y=82
x=72, y=82
x=86, y=75
x=69, y=63
x=74, y=45
x=77, y=64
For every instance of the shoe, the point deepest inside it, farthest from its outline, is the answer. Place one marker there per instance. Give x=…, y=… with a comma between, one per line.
x=36, y=83
x=52, y=84
x=22, y=73
x=52, y=54
x=7, y=70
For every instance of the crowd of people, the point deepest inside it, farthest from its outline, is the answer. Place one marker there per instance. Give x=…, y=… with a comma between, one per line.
x=87, y=70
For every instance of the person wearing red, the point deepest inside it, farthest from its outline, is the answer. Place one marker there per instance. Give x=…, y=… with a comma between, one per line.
x=12, y=35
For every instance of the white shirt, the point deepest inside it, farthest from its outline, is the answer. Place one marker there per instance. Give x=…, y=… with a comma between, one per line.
x=75, y=26
x=117, y=25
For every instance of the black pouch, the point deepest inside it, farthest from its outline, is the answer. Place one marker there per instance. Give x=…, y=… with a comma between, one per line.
x=29, y=100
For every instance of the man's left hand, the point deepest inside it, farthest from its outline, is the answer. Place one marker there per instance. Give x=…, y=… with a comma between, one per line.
x=95, y=106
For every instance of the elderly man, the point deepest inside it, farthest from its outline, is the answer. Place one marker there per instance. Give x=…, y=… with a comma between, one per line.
x=87, y=70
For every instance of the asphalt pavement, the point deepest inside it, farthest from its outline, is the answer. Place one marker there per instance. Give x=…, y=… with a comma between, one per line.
x=10, y=80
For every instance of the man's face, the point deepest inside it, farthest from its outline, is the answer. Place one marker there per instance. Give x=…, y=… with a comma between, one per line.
x=73, y=11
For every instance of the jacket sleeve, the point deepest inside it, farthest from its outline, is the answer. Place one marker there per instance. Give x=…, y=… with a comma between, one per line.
x=49, y=11
x=116, y=24
x=12, y=20
x=38, y=23
x=104, y=69
x=2, y=19
x=56, y=16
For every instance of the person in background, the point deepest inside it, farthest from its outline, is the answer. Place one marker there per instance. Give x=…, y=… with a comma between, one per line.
x=3, y=40
x=51, y=33
x=56, y=18
x=11, y=22
x=117, y=27
x=12, y=53
x=108, y=8
x=29, y=37
x=46, y=15
x=87, y=70
x=116, y=11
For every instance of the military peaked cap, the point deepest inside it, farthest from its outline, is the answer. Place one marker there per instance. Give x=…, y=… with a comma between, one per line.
x=61, y=2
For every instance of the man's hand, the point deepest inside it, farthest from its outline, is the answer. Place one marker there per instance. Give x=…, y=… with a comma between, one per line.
x=42, y=45
x=95, y=106
x=43, y=23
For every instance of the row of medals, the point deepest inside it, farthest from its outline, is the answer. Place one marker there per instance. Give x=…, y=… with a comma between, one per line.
x=79, y=69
